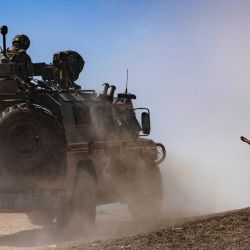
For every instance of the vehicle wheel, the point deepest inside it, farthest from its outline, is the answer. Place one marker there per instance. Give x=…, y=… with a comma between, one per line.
x=146, y=198
x=31, y=141
x=82, y=210
x=41, y=217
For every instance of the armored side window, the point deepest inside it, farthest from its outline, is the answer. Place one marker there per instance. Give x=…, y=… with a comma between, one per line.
x=82, y=114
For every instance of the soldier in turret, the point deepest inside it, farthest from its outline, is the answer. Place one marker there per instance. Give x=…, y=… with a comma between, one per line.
x=67, y=66
x=244, y=139
x=17, y=54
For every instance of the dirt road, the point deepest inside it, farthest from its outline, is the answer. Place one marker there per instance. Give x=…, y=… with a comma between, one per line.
x=16, y=232
x=223, y=231
x=115, y=230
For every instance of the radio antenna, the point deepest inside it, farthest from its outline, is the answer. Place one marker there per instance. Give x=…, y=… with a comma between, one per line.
x=126, y=90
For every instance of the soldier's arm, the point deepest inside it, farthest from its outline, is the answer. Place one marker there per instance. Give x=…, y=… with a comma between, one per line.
x=29, y=65
x=244, y=139
x=25, y=59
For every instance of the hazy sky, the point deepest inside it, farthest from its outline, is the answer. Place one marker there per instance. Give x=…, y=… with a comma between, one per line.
x=189, y=62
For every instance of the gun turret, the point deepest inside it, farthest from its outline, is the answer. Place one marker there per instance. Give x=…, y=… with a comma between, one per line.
x=4, y=31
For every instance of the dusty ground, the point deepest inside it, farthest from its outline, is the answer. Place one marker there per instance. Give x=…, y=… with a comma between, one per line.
x=223, y=231
x=16, y=232
x=115, y=230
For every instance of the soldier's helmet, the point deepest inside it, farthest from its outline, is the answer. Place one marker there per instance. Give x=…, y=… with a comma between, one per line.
x=21, y=42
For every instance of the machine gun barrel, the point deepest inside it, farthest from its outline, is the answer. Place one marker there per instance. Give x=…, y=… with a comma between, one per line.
x=4, y=31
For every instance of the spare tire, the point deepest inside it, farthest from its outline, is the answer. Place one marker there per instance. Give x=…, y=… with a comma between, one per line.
x=31, y=141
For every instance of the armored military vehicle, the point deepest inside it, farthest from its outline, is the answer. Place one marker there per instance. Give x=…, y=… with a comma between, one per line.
x=64, y=150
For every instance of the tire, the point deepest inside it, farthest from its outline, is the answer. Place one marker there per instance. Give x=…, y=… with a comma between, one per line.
x=145, y=200
x=41, y=218
x=31, y=141
x=81, y=212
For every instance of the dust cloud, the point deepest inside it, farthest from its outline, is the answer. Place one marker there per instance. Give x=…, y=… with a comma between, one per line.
x=195, y=79
x=197, y=85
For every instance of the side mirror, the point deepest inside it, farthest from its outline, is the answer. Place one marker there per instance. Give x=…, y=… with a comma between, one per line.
x=145, y=122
